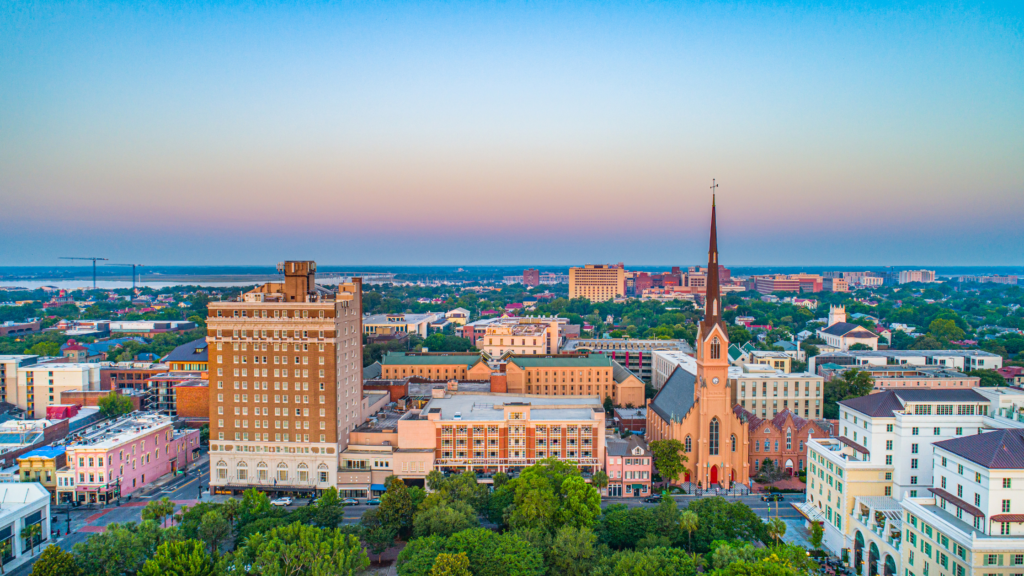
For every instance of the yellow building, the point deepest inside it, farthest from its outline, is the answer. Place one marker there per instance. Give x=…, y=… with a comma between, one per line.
x=435, y=366
x=523, y=338
x=777, y=360
x=41, y=466
x=597, y=282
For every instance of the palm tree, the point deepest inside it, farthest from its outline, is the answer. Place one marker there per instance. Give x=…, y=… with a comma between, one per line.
x=30, y=533
x=776, y=529
x=600, y=480
x=688, y=522
x=230, y=509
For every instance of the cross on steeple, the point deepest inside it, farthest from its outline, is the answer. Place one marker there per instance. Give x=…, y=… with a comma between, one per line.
x=714, y=187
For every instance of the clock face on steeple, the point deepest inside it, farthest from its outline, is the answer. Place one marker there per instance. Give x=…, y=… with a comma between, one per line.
x=714, y=380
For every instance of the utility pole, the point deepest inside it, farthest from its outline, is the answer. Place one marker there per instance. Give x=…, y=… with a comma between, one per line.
x=133, y=272
x=94, y=259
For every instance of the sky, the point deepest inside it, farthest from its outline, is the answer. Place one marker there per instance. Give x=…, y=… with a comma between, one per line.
x=534, y=133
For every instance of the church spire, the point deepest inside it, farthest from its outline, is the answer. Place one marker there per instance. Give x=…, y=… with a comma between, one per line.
x=713, y=297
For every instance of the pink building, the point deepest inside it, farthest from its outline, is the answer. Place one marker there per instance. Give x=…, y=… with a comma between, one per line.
x=122, y=456
x=629, y=464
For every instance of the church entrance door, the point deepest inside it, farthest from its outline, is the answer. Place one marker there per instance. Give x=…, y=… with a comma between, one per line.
x=714, y=474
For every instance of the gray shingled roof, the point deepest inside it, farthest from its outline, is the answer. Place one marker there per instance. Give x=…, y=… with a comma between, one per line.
x=882, y=404
x=194, y=351
x=620, y=372
x=677, y=396
x=999, y=449
x=843, y=328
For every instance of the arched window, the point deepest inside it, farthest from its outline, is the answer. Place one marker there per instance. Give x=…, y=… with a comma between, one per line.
x=767, y=445
x=303, y=473
x=789, y=438
x=261, y=471
x=241, y=470
x=716, y=349
x=733, y=442
x=757, y=446
x=713, y=437
x=282, y=472
x=757, y=465
x=222, y=470
x=687, y=445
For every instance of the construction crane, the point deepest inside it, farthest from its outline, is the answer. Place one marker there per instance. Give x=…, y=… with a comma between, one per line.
x=133, y=272
x=94, y=259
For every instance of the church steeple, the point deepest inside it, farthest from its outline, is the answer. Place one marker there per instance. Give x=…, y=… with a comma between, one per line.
x=713, y=297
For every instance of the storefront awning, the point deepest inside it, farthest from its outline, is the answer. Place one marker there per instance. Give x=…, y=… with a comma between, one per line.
x=378, y=487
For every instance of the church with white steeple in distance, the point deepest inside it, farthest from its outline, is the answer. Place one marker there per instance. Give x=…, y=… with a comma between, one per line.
x=697, y=409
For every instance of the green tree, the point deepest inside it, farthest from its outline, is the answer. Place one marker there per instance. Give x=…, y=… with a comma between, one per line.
x=988, y=377
x=666, y=518
x=852, y=383
x=380, y=538
x=817, y=535
x=776, y=529
x=689, y=522
x=253, y=506
x=329, y=509
x=55, y=562
x=600, y=480
x=121, y=549
x=580, y=503
x=451, y=565
x=499, y=555
x=622, y=527
x=184, y=558
x=719, y=519
x=44, y=348
x=214, y=530
x=5, y=551
x=435, y=479
x=647, y=562
x=573, y=552
x=945, y=330
x=669, y=459
x=158, y=510
x=396, y=505
x=31, y=535
x=444, y=520
x=300, y=549
x=417, y=557
x=114, y=405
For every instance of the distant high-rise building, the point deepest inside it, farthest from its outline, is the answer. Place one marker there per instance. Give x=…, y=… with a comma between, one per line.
x=907, y=276
x=285, y=382
x=531, y=277
x=597, y=282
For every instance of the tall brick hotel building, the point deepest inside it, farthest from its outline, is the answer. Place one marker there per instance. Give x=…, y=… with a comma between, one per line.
x=285, y=366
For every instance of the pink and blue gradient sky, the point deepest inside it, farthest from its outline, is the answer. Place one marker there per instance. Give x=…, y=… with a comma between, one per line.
x=841, y=133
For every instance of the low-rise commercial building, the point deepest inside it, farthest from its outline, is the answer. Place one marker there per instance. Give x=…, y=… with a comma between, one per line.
x=125, y=376
x=119, y=457
x=191, y=357
x=41, y=465
x=12, y=328
x=841, y=335
x=629, y=464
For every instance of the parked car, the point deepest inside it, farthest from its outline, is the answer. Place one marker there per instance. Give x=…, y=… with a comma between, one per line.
x=349, y=501
x=373, y=502
x=772, y=498
x=283, y=501
x=653, y=499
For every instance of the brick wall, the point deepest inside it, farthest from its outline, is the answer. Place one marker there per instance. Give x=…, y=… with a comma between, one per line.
x=193, y=401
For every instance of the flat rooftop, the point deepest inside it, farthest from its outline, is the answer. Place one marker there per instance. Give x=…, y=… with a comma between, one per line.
x=490, y=407
x=124, y=429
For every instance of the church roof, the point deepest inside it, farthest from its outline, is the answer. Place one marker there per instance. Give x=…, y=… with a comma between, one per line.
x=778, y=422
x=677, y=395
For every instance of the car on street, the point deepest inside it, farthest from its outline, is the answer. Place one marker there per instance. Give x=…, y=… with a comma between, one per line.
x=349, y=501
x=772, y=498
x=283, y=501
x=373, y=502
x=653, y=499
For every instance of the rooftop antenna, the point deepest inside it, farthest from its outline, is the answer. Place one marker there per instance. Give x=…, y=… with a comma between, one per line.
x=133, y=272
x=93, y=258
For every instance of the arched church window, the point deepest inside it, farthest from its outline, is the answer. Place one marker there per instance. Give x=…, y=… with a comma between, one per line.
x=733, y=442
x=789, y=438
x=713, y=437
x=716, y=349
x=687, y=445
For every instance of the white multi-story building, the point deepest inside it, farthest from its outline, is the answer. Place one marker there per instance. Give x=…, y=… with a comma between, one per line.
x=972, y=522
x=884, y=456
x=23, y=504
x=907, y=276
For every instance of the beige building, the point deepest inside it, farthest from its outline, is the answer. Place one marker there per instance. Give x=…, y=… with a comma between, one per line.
x=285, y=382
x=522, y=338
x=9, y=366
x=593, y=375
x=772, y=359
x=40, y=386
x=597, y=282
x=766, y=391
